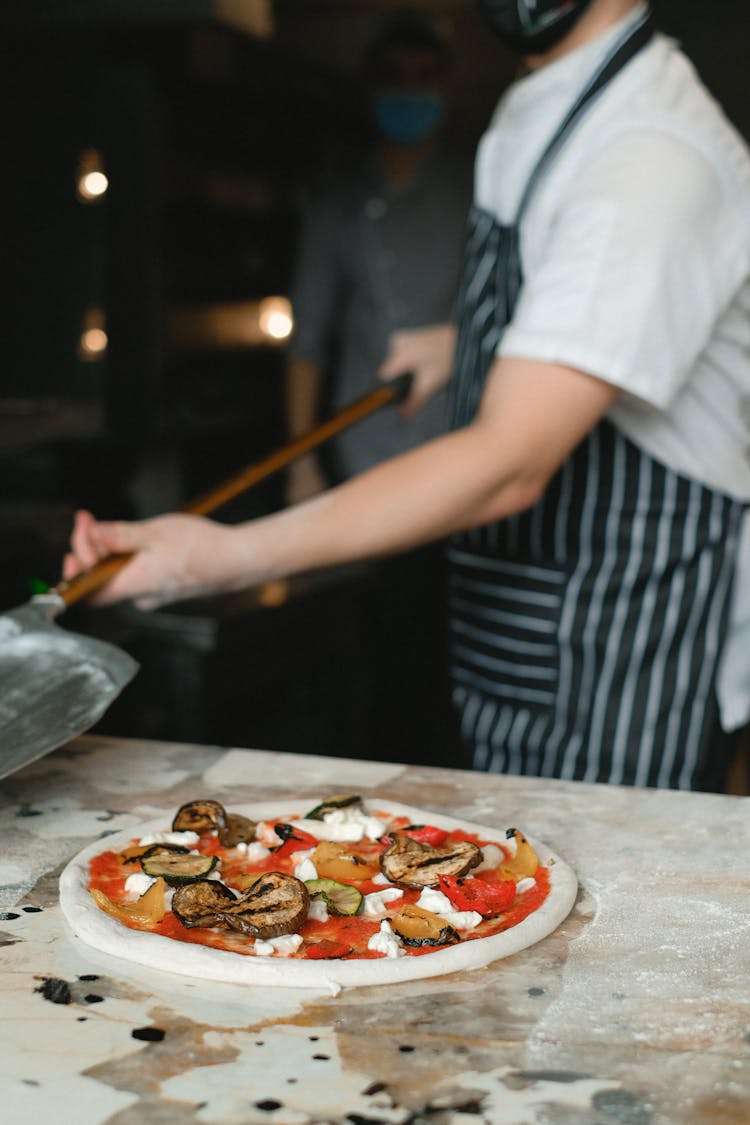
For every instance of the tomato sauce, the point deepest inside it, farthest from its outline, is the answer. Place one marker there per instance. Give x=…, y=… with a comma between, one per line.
x=108, y=874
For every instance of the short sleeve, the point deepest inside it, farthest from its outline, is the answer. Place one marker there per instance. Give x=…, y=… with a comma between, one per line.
x=636, y=265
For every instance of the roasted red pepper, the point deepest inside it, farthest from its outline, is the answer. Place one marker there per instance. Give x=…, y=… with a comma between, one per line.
x=476, y=894
x=425, y=834
x=295, y=840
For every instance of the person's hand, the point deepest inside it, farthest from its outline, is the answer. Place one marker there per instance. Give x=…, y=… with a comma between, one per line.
x=176, y=557
x=428, y=354
x=304, y=479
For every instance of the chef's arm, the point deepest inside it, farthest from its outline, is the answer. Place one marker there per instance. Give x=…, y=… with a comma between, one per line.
x=532, y=417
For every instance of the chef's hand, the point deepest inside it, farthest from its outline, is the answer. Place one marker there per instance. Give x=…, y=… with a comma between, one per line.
x=428, y=354
x=176, y=557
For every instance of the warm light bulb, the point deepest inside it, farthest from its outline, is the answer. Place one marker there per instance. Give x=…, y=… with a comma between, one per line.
x=275, y=318
x=93, y=185
x=92, y=343
x=91, y=179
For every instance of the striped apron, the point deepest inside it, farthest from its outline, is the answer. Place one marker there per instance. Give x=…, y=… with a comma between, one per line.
x=585, y=633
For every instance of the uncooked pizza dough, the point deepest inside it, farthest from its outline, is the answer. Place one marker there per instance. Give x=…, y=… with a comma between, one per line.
x=92, y=926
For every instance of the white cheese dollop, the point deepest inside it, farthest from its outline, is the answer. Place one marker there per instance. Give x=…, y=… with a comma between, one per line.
x=137, y=884
x=282, y=946
x=353, y=818
x=376, y=903
x=492, y=857
x=317, y=911
x=382, y=880
x=254, y=850
x=511, y=846
x=265, y=834
x=525, y=885
x=385, y=941
x=440, y=904
x=305, y=870
x=186, y=839
x=346, y=825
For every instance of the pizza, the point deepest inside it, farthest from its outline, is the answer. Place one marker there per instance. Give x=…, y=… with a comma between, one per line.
x=344, y=892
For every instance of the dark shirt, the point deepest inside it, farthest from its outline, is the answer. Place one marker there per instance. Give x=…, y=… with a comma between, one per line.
x=374, y=259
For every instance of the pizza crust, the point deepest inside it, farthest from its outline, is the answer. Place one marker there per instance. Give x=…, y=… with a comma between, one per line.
x=92, y=926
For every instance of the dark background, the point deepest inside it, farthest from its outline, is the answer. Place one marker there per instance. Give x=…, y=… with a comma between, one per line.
x=215, y=121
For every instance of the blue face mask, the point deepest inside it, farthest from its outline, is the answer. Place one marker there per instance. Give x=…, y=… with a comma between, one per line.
x=408, y=117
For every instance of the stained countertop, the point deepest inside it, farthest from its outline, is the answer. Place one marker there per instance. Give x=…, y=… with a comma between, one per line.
x=636, y=1010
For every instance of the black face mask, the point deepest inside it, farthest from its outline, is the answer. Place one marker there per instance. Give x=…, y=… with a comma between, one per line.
x=532, y=26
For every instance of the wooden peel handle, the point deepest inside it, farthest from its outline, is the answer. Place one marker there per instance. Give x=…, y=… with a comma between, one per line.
x=394, y=391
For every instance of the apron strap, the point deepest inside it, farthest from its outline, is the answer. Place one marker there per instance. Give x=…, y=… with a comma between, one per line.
x=620, y=55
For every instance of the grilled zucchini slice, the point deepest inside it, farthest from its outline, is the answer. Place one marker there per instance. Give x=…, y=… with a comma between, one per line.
x=340, y=898
x=337, y=801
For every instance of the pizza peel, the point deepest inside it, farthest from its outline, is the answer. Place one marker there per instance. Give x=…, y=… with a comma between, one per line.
x=55, y=684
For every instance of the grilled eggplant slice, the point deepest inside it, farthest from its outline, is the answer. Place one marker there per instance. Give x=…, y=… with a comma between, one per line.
x=202, y=903
x=238, y=830
x=200, y=816
x=408, y=863
x=337, y=801
x=276, y=904
x=417, y=926
x=177, y=868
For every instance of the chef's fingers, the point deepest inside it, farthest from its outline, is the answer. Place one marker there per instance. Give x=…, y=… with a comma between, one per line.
x=93, y=540
x=398, y=357
x=84, y=542
x=427, y=353
x=402, y=357
x=71, y=567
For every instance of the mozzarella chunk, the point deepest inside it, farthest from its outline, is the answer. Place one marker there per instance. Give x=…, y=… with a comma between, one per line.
x=186, y=839
x=305, y=870
x=382, y=880
x=264, y=833
x=137, y=884
x=375, y=903
x=440, y=904
x=385, y=941
x=317, y=911
x=492, y=857
x=283, y=946
x=346, y=825
x=254, y=851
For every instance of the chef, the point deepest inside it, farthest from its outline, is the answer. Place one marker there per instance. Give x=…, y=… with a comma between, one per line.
x=593, y=487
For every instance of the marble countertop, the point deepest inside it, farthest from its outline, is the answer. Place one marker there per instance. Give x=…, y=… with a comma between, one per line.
x=636, y=1011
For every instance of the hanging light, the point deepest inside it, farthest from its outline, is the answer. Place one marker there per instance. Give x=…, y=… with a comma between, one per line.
x=93, y=340
x=231, y=324
x=275, y=318
x=92, y=182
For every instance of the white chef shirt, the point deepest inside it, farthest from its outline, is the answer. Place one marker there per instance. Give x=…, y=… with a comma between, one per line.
x=635, y=251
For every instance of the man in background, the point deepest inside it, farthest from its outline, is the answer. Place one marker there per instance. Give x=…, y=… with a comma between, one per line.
x=379, y=255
